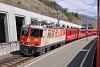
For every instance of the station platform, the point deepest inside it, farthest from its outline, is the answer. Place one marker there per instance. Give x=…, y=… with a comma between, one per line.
x=79, y=53
x=7, y=48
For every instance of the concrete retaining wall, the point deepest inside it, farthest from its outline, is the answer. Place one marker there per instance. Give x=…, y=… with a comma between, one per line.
x=6, y=49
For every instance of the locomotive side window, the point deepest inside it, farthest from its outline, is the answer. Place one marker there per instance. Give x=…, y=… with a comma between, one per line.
x=24, y=32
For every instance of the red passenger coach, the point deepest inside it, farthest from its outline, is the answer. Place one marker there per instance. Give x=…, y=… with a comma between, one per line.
x=95, y=32
x=82, y=33
x=71, y=34
x=91, y=32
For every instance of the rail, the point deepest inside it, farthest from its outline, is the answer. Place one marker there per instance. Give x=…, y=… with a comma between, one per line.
x=14, y=61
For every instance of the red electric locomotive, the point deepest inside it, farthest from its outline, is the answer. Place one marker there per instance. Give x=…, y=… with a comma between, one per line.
x=40, y=37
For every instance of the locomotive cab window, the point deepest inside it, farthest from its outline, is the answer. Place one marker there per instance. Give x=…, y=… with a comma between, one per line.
x=36, y=33
x=41, y=33
x=24, y=32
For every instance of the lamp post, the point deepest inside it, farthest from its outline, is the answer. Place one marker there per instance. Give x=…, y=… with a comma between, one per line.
x=86, y=28
x=98, y=44
x=58, y=14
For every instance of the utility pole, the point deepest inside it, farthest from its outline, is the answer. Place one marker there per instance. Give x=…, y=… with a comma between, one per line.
x=58, y=13
x=86, y=29
x=98, y=44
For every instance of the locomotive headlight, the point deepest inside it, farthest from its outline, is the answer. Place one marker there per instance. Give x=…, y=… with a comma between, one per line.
x=36, y=43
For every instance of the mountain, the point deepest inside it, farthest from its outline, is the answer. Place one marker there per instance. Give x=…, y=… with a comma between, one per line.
x=44, y=7
x=52, y=4
x=48, y=8
x=89, y=19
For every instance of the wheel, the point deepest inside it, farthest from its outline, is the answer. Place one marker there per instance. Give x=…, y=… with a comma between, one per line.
x=43, y=51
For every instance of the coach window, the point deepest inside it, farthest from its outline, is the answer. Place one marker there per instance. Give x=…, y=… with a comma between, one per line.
x=67, y=26
x=71, y=27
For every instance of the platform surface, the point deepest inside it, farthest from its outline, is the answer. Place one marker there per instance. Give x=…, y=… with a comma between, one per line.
x=63, y=56
x=7, y=49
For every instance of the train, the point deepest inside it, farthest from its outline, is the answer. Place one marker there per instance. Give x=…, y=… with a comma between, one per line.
x=39, y=37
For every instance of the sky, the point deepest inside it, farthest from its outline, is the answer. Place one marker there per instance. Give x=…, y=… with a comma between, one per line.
x=87, y=7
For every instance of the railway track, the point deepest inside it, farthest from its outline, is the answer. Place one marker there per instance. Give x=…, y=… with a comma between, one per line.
x=14, y=61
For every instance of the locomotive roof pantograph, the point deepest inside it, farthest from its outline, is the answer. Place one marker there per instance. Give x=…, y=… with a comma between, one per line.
x=42, y=24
